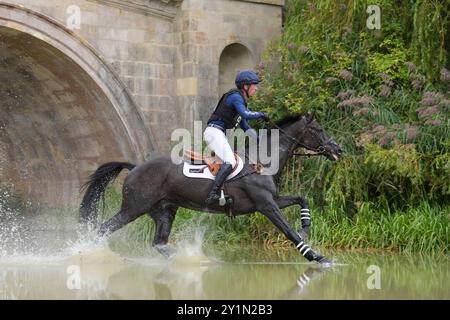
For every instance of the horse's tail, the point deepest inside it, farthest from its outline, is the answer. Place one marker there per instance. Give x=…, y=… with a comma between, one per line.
x=96, y=186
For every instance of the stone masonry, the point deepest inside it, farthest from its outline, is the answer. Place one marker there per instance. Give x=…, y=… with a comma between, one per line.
x=147, y=67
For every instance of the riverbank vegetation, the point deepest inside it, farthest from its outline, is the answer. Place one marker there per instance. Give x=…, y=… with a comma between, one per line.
x=384, y=95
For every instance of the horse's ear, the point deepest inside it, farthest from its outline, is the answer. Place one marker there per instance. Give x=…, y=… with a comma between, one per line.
x=310, y=116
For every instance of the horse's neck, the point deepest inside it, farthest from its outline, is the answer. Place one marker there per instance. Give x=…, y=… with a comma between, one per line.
x=287, y=146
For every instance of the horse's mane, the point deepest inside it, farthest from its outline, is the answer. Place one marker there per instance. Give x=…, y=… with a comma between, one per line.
x=288, y=120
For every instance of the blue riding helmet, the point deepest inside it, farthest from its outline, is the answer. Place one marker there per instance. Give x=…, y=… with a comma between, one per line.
x=246, y=77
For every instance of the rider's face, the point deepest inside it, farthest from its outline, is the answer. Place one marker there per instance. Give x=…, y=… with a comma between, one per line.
x=252, y=89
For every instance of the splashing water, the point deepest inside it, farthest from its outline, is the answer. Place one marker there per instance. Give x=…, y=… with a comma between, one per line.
x=190, y=251
x=13, y=232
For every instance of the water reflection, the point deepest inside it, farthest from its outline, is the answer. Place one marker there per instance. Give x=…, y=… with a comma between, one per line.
x=107, y=275
x=218, y=281
x=303, y=281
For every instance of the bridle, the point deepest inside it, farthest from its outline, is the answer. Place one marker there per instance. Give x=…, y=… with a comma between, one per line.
x=318, y=152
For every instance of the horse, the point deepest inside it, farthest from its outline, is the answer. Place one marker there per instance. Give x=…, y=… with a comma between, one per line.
x=158, y=188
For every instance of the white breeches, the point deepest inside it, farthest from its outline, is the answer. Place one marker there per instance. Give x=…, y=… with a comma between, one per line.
x=217, y=142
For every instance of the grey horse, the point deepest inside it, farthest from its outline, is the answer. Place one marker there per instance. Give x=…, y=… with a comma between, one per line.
x=158, y=188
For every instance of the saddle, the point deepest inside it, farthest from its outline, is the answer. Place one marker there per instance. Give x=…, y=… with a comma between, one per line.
x=213, y=162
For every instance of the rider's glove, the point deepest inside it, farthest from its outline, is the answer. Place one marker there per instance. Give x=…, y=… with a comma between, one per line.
x=265, y=116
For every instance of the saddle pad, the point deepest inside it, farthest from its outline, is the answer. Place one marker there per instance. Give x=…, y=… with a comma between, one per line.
x=202, y=170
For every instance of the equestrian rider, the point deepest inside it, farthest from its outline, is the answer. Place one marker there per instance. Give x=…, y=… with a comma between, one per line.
x=231, y=111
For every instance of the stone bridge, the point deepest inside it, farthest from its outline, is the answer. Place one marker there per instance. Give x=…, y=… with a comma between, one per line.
x=84, y=82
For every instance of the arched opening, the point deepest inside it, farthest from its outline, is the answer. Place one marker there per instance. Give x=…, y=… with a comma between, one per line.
x=56, y=124
x=234, y=57
x=63, y=110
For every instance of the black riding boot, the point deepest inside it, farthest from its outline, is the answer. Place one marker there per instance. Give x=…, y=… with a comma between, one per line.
x=214, y=194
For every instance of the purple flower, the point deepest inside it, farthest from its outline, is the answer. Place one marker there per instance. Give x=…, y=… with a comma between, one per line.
x=345, y=94
x=386, y=139
x=384, y=76
x=386, y=79
x=431, y=98
x=427, y=112
x=355, y=102
x=303, y=49
x=331, y=80
x=434, y=122
x=361, y=112
x=417, y=84
x=412, y=132
x=445, y=75
x=445, y=102
x=379, y=129
x=411, y=66
x=385, y=91
x=346, y=75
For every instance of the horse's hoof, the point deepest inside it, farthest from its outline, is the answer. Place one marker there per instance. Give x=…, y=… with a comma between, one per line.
x=166, y=250
x=324, y=261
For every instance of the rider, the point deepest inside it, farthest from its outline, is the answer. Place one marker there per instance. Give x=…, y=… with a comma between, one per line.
x=231, y=111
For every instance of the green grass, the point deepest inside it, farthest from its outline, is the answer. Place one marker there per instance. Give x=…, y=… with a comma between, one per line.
x=420, y=229
x=417, y=229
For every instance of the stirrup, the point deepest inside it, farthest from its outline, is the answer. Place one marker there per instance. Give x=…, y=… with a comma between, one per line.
x=222, y=200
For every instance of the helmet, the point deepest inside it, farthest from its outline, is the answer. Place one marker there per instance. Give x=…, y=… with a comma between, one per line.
x=246, y=77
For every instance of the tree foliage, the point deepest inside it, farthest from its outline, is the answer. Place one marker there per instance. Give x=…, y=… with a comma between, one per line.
x=384, y=95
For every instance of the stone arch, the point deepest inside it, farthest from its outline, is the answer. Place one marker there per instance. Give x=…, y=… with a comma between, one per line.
x=63, y=110
x=234, y=57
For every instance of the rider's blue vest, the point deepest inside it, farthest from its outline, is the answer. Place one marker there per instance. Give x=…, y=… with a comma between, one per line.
x=224, y=113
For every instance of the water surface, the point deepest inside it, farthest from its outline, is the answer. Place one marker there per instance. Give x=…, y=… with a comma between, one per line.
x=97, y=272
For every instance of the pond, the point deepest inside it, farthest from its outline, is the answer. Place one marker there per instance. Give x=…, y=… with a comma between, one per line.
x=94, y=271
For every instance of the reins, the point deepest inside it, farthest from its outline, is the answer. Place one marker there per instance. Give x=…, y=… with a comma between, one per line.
x=320, y=150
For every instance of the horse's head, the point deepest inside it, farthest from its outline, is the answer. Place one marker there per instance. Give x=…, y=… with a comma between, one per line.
x=315, y=138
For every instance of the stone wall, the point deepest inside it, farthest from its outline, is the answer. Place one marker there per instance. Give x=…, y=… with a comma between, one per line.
x=167, y=51
x=203, y=29
x=132, y=71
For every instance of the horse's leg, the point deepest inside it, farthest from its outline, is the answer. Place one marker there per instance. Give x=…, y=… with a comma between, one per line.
x=132, y=208
x=267, y=206
x=138, y=197
x=305, y=218
x=163, y=215
x=122, y=218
